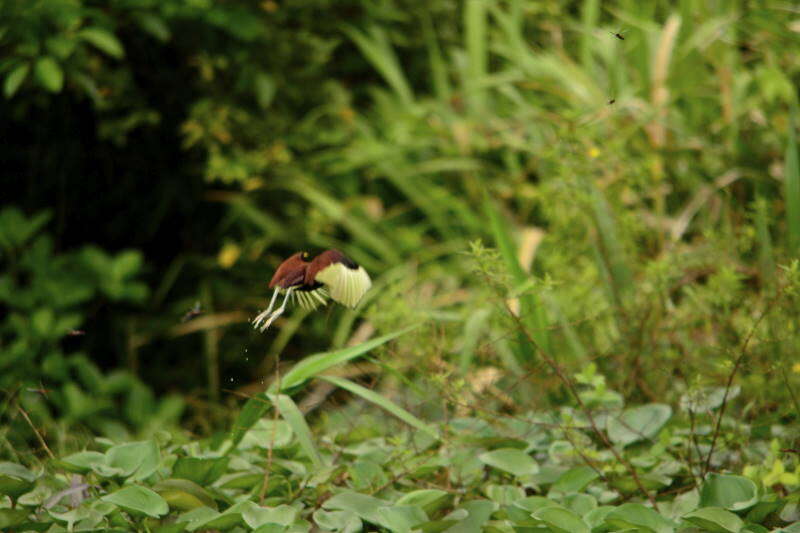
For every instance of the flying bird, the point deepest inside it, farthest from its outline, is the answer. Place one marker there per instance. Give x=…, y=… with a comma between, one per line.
x=311, y=282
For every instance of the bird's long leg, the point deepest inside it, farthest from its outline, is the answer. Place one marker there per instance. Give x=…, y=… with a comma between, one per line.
x=279, y=311
x=265, y=313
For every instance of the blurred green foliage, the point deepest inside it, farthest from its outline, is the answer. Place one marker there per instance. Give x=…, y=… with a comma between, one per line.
x=632, y=204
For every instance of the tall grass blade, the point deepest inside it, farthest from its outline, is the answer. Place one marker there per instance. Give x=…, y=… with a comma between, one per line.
x=532, y=311
x=610, y=248
x=306, y=369
x=477, y=57
x=383, y=403
x=590, y=13
x=792, y=187
x=292, y=415
x=316, y=364
x=375, y=46
x=441, y=85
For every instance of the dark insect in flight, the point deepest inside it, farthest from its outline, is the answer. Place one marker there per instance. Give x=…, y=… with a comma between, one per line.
x=192, y=313
x=612, y=101
x=618, y=35
x=310, y=282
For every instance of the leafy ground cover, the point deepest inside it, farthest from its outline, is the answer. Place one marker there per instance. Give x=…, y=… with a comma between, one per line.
x=603, y=467
x=582, y=220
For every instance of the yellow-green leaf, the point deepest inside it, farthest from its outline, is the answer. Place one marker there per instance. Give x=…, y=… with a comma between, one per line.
x=49, y=74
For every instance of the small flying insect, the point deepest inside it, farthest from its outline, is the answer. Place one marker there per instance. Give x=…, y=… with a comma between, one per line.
x=195, y=311
x=76, y=333
x=612, y=101
x=618, y=35
x=310, y=282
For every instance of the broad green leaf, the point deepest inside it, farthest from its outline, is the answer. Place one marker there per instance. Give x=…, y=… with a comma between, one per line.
x=103, y=40
x=366, y=507
x=575, y=479
x=341, y=521
x=137, y=460
x=478, y=513
x=256, y=516
x=638, y=423
x=401, y=518
x=511, y=460
x=203, y=471
x=15, y=480
x=138, y=500
x=15, y=79
x=596, y=517
x=9, y=518
x=49, y=74
x=83, y=462
x=734, y=493
x=561, y=520
x=715, y=519
x=384, y=403
x=521, y=510
x=503, y=494
x=267, y=434
x=637, y=516
x=428, y=499
x=184, y=495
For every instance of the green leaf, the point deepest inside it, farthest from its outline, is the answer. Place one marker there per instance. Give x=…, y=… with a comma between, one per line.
x=638, y=423
x=637, y=516
x=203, y=471
x=366, y=507
x=521, y=510
x=264, y=87
x=575, y=479
x=429, y=499
x=15, y=480
x=401, y=518
x=184, y=495
x=503, y=494
x=49, y=74
x=83, y=462
x=103, y=40
x=561, y=520
x=729, y=492
x=256, y=516
x=15, y=79
x=138, y=500
x=715, y=519
x=384, y=403
x=9, y=518
x=291, y=413
x=137, y=460
x=511, y=460
x=341, y=521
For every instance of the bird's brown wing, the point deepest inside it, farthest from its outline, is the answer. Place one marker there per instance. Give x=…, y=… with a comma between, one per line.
x=322, y=261
x=290, y=273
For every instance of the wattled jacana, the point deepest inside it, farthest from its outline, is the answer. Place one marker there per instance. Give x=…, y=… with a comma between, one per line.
x=311, y=282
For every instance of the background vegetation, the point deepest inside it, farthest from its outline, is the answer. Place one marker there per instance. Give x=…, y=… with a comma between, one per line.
x=582, y=220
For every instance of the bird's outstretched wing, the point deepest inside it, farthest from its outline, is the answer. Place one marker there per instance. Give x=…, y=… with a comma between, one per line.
x=345, y=281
